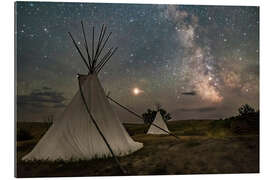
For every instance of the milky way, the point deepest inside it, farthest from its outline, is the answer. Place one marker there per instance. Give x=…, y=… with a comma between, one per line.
x=196, y=61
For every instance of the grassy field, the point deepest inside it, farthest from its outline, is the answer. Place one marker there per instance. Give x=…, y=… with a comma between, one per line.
x=205, y=146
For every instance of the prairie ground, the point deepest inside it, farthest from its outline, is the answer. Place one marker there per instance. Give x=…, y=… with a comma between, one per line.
x=203, y=148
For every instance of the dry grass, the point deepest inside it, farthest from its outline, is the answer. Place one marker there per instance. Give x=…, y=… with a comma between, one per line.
x=200, y=150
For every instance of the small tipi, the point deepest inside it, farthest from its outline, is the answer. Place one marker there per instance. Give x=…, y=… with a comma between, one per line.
x=88, y=128
x=158, y=122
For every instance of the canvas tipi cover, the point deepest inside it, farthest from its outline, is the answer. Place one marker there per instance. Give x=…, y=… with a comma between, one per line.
x=160, y=123
x=73, y=136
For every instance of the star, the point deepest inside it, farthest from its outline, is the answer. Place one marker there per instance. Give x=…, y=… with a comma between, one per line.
x=212, y=51
x=45, y=30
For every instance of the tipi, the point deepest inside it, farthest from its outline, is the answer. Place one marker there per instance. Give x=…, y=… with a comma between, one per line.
x=88, y=128
x=159, y=124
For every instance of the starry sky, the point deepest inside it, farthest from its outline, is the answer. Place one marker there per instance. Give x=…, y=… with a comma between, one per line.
x=198, y=62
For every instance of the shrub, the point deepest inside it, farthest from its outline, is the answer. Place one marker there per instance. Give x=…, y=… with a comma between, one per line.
x=246, y=109
x=149, y=115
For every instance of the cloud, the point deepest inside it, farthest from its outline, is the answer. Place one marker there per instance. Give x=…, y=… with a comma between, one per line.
x=191, y=93
x=42, y=98
x=202, y=110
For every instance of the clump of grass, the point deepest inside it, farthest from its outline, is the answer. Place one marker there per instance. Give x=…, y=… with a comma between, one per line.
x=219, y=132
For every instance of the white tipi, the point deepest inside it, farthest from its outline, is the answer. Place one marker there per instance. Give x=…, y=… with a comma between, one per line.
x=88, y=128
x=159, y=126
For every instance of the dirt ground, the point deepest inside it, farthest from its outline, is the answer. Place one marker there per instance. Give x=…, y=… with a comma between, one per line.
x=194, y=153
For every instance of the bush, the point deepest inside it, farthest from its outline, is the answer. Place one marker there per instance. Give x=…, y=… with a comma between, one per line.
x=246, y=109
x=149, y=115
x=23, y=135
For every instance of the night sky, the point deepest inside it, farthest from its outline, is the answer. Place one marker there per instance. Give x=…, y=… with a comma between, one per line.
x=196, y=61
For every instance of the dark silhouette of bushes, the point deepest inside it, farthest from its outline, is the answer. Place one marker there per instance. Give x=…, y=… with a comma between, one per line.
x=246, y=122
x=166, y=116
x=149, y=115
x=246, y=109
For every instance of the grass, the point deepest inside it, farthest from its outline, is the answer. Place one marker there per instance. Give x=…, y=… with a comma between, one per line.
x=192, y=143
x=206, y=146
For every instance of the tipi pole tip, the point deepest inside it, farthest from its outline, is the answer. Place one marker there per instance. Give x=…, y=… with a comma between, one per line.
x=98, y=46
x=93, y=42
x=92, y=59
x=106, y=60
x=86, y=47
x=104, y=44
x=78, y=49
